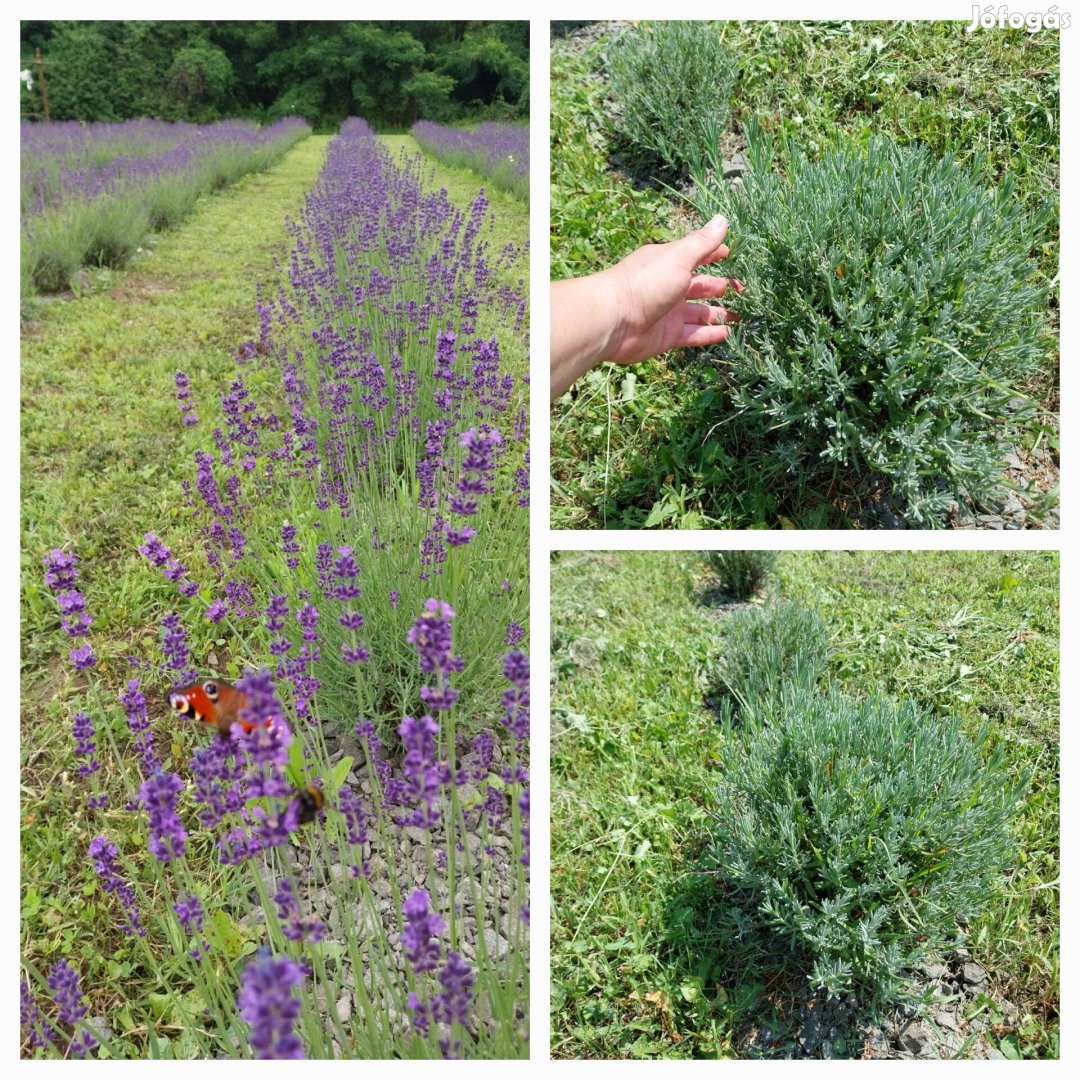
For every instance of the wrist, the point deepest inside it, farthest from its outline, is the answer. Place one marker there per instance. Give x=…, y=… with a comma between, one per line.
x=584, y=312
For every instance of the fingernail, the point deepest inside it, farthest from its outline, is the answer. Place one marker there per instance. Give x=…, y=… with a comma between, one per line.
x=717, y=222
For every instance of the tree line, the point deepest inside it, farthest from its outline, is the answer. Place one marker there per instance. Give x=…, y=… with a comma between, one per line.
x=391, y=73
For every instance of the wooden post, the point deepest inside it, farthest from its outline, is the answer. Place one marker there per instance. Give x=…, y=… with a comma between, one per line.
x=41, y=76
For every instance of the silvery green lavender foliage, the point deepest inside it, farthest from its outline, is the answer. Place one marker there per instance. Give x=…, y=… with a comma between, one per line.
x=742, y=573
x=890, y=319
x=768, y=649
x=671, y=80
x=864, y=835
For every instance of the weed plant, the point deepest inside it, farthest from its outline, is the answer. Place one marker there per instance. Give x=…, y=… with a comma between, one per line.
x=865, y=834
x=669, y=80
x=891, y=319
x=742, y=573
x=768, y=649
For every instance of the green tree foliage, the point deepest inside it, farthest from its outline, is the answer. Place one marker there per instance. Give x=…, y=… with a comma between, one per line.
x=200, y=79
x=392, y=73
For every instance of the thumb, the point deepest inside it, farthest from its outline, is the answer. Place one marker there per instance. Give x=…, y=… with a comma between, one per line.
x=700, y=246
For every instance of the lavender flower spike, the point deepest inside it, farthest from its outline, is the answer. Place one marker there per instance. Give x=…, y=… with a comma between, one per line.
x=421, y=933
x=267, y=1003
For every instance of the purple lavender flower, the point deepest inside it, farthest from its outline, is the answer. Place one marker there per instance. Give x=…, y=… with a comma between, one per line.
x=289, y=545
x=103, y=854
x=60, y=572
x=236, y=846
x=431, y=634
x=158, y=555
x=75, y=621
x=308, y=618
x=267, y=743
x=482, y=449
x=460, y=537
x=521, y=482
x=273, y=827
x=420, y=1017
x=395, y=599
x=514, y=633
x=168, y=838
x=453, y=1002
x=64, y=983
x=267, y=1003
x=189, y=911
x=424, y=775
x=217, y=611
x=83, y=657
x=296, y=927
x=175, y=647
x=523, y=807
x=216, y=771
x=422, y=930
x=365, y=730
x=82, y=728
x=516, y=700
x=483, y=753
x=31, y=1017
x=356, y=825
x=134, y=703
x=154, y=551
x=183, y=400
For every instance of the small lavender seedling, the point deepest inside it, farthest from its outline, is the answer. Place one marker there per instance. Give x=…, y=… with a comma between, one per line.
x=672, y=82
x=766, y=650
x=742, y=573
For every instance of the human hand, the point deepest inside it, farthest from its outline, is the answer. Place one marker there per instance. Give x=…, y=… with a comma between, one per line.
x=654, y=289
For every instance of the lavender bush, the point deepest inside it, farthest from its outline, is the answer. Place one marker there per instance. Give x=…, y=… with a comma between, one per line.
x=497, y=150
x=365, y=541
x=90, y=193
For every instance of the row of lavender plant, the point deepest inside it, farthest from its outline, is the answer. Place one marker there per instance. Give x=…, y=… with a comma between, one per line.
x=91, y=192
x=497, y=150
x=365, y=536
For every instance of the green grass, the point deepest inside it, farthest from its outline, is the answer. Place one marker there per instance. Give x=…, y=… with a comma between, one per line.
x=642, y=454
x=637, y=970
x=103, y=458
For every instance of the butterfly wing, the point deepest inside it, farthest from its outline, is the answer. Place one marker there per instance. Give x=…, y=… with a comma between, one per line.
x=214, y=702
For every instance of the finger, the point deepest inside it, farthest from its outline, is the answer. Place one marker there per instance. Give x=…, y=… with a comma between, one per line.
x=696, y=336
x=700, y=315
x=705, y=244
x=707, y=287
x=707, y=315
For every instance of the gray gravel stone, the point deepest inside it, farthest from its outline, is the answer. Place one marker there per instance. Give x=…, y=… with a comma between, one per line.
x=934, y=971
x=916, y=1038
x=974, y=974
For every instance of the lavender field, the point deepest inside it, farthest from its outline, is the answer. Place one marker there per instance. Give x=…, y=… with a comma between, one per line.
x=90, y=193
x=342, y=591
x=497, y=150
